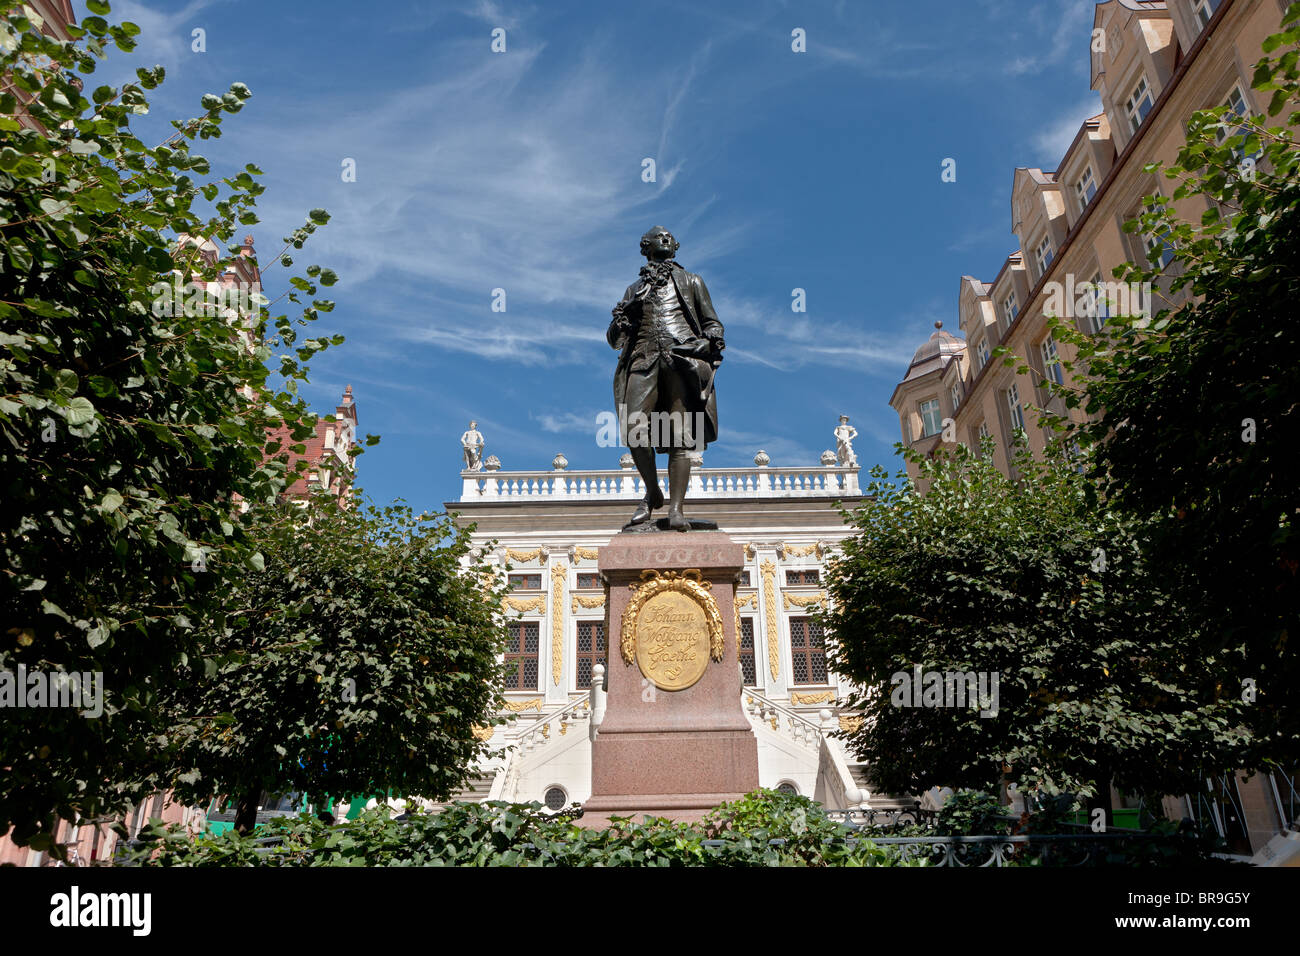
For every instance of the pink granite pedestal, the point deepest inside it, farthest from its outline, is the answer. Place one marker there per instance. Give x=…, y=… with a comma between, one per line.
x=680, y=753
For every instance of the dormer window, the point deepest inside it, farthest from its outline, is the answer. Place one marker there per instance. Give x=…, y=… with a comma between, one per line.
x=1204, y=11
x=956, y=396
x=1095, y=308
x=982, y=354
x=1165, y=253
x=1085, y=187
x=1236, y=102
x=931, y=420
x=1013, y=407
x=1139, y=104
x=1052, y=361
x=1236, y=109
x=1043, y=255
x=1009, y=309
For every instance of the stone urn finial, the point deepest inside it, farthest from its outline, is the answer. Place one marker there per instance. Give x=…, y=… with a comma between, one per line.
x=559, y=462
x=626, y=460
x=828, y=458
x=493, y=463
x=762, y=459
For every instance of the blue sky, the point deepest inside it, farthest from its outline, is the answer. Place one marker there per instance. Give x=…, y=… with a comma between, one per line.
x=522, y=170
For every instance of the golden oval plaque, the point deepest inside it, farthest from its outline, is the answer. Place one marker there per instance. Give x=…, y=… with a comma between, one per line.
x=672, y=640
x=672, y=628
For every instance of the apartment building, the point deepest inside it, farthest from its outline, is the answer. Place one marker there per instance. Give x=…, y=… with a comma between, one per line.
x=1154, y=63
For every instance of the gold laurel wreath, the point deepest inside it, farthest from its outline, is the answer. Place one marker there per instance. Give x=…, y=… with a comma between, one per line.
x=689, y=582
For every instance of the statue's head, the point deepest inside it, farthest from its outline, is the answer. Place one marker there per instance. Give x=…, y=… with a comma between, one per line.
x=658, y=243
x=844, y=419
x=473, y=424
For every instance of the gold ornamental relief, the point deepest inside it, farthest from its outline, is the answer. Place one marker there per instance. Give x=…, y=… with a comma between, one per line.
x=518, y=706
x=803, y=600
x=819, y=697
x=672, y=628
x=587, y=602
x=769, y=603
x=523, y=605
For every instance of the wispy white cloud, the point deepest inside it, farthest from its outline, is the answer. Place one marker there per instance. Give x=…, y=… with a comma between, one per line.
x=1074, y=23
x=165, y=33
x=795, y=340
x=493, y=14
x=583, y=422
x=1053, y=138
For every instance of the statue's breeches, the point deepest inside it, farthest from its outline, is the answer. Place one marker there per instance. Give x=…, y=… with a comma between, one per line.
x=662, y=406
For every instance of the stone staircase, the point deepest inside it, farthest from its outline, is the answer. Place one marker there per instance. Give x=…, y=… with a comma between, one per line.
x=476, y=792
x=878, y=801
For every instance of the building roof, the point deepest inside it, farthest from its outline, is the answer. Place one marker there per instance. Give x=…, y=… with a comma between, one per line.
x=934, y=353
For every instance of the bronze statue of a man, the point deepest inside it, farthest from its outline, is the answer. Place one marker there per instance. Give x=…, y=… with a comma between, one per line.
x=672, y=344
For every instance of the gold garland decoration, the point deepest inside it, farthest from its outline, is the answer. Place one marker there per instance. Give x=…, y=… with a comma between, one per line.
x=820, y=697
x=587, y=602
x=689, y=582
x=519, y=706
x=559, y=573
x=803, y=600
x=769, y=601
x=850, y=723
x=482, y=733
x=801, y=550
x=513, y=555
x=523, y=605
x=585, y=554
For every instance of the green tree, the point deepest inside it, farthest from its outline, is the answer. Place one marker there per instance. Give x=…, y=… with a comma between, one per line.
x=360, y=660
x=1038, y=581
x=1195, y=410
x=130, y=425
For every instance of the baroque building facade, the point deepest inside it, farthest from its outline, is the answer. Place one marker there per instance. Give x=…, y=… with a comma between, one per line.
x=1154, y=63
x=542, y=530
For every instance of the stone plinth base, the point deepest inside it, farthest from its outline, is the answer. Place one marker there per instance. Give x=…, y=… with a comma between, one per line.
x=673, y=753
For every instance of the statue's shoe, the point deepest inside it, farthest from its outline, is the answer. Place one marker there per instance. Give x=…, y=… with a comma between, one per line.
x=654, y=498
x=677, y=521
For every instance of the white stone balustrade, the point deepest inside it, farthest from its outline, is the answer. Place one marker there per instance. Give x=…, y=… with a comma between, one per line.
x=622, y=484
x=784, y=721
